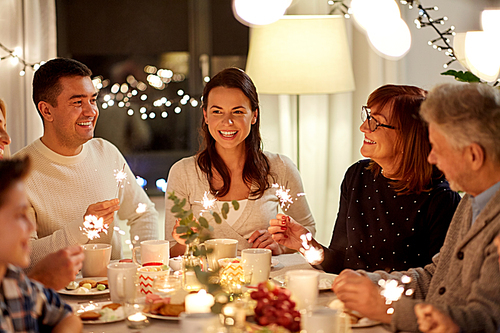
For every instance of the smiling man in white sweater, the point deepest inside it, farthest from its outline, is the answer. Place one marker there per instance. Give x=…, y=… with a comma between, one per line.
x=73, y=174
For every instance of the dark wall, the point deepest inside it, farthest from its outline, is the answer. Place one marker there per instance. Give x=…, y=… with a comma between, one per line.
x=122, y=27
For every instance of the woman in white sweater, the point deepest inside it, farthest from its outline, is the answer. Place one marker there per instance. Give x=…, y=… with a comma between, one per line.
x=232, y=166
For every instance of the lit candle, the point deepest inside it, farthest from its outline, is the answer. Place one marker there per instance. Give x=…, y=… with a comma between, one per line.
x=137, y=317
x=199, y=303
x=137, y=320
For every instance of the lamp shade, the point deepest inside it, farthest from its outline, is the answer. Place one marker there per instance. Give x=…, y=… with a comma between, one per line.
x=301, y=54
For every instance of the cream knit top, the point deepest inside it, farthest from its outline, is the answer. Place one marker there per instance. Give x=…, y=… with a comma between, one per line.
x=187, y=181
x=60, y=189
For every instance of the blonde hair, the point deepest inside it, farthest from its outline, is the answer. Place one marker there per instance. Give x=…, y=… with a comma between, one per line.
x=3, y=109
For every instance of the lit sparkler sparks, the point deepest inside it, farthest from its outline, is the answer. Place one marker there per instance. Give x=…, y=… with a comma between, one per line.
x=120, y=176
x=284, y=196
x=392, y=290
x=313, y=255
x=206, y=202
x=141, y=208
x=93, y=226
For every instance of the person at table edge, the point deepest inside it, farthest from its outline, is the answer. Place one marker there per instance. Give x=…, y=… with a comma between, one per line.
x=232, y=166
x=73, y=173
x=463, y=280
x=395, y=208
x=58, y=268
x=26, y=306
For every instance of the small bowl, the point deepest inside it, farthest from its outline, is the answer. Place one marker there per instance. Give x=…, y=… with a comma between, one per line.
x=175, y=263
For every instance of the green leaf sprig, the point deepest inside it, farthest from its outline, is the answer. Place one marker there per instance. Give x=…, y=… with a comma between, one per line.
x=192, y=230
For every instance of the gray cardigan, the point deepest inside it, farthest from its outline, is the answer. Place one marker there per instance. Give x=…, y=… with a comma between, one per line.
x=187, y=181
x=464, y=279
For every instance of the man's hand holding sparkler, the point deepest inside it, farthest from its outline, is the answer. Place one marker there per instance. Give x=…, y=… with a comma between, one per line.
x=59, y=268
x=104, y=209
x=360, y=294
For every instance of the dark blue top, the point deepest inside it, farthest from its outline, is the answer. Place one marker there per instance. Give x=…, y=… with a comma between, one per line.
x=378, y=229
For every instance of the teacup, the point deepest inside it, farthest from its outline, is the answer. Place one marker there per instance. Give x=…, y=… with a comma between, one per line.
x=258, y=263
x=122, y=279
x=152, y=251
x=218, y=249
x=96, y=260
x=147, y=275
x=325, y=320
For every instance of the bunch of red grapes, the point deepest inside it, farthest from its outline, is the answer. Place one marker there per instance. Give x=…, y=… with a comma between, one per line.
x=275, y=306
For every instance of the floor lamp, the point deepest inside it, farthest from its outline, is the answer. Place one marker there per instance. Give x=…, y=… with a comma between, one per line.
x=301, y=54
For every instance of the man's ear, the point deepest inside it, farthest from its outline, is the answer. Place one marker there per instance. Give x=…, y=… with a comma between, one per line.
x=477, y=156
x=46, y=111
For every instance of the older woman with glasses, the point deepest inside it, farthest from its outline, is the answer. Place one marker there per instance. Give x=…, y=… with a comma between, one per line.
x=395, y=208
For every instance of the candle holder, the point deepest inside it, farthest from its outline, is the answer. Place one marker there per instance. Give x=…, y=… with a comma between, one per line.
x=189, y=280
x=135, y=317
x=234, y=316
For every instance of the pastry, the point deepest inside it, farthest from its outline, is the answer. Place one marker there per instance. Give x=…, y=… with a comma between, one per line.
x=90, y=315
x=93, y=283
x=112, y=306
x=171, y=310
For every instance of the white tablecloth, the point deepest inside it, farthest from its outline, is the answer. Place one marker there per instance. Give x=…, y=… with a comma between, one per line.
x=286, y=262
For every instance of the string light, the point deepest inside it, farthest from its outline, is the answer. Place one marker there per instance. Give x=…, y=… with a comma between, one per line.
x=122, y=94
x=15, y=56
x=424, y=19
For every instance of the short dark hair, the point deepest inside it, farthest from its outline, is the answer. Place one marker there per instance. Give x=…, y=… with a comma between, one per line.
x=46, y=85
x=12, y=171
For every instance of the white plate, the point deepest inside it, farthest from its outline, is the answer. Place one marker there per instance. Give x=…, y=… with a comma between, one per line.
x=325, y=280
x=274, y=262
x=150, y=315
x=92, y=291
x=365, y=322
x=96, y=306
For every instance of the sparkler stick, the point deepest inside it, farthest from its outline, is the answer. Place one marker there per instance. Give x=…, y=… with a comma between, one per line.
x=206, y=202
x=120, y=176
x=313, y=255
x=284, y=196
x=392, y=290
x=93, y=226
x=141, y=208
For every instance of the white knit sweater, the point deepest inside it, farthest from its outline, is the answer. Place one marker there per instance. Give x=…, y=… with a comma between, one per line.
x=187, y=181
x=60, y=189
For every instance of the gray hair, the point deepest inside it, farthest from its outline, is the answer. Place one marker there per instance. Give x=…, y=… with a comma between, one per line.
x=466, y=113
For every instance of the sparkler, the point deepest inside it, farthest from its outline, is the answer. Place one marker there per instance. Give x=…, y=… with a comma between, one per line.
x=120, y=176
x=206, y=202
x=141, y=208
x=93, y=226
x=284, y=196
x=313, y=255
x=392, y=290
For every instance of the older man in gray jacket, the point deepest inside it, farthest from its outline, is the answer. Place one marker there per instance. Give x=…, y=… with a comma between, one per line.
x=463, y=281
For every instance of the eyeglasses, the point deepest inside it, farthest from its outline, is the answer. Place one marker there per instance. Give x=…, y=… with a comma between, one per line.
x=373, y=124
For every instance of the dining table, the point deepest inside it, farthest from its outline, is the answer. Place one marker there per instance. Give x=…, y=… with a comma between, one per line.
x=284, y=263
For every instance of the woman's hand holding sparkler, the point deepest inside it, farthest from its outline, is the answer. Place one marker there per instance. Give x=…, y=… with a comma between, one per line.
x=286, y=231
x=360, y=294
x=263, y=239
x=431, y=320
x=104, y=209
